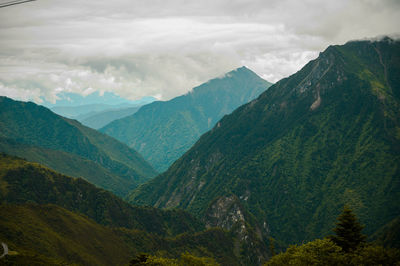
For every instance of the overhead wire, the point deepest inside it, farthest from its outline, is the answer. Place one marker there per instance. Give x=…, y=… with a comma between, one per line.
x=15, y=2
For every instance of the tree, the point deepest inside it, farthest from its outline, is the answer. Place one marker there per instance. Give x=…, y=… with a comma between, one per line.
x=272, y=246
x=318, y=252
x=324, y=252
x=348, y=231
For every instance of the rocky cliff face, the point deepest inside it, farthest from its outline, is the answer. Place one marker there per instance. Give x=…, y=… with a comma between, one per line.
x=228, y=213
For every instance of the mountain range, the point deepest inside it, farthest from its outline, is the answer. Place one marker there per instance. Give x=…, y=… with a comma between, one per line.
x=99, y=119
x=101, y=111
x=163, y=131
x=284, y=164
x=37, y=134
x=250, y=169
x=71, y=99
x=51, y=219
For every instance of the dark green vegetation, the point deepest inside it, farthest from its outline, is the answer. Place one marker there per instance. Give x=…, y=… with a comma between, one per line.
x=324, y=252
x=56, y=233
x=326, y=136
x=163, y=131
x=389, y=234
x=51, y=218
x=348, y=234
x=22, y=181
x=50, y=233
x=37, y=134
x=185, y=260
x=346, y=247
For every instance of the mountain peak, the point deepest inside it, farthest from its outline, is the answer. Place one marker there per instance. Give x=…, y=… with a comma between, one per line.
x=162, y=132
x=243, y=68
x=324, y=137
x=240, y=70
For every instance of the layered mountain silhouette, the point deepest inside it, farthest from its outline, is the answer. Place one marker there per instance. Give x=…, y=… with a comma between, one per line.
x=100, y=119
x=37, y=134
x=289, y=160
x=163, y=131
x=52, y=219
x=95, y=110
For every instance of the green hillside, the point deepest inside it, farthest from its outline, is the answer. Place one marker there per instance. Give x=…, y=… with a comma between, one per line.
x=22, y=181
x=54, y=235
x=326, y=136
x=37, y=134
x=51, y=218
x=57, y=233
x=164, y=131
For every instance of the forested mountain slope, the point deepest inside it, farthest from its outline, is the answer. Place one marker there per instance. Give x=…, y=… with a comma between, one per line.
x=50, y=218
x=164, y=131
x=326, y=136
x=37, y=134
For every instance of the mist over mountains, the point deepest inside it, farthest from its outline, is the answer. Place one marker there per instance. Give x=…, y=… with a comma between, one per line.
x=95, y=110
x=230, y=173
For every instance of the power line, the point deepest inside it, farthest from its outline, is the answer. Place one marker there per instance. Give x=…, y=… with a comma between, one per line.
x=11, y=3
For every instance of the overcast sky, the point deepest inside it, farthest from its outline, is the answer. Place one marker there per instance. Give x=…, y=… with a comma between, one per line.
x=164, y=48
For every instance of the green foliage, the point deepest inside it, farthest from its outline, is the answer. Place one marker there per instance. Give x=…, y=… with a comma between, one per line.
x=326, y=252
x=272, y=246
x=29, y=258
x=39, y=135
x=317, y=252
x=52, y=235
x=190, y=260
x=87, y=225
x=69, y=164
x=53, y=232
x=389, y=234
x=185, y=259
x=164, y=131
x=292, y=163
x=347, y=247
x=372, y=255
x=140, y=259
x=348, y=231
x=21, y=182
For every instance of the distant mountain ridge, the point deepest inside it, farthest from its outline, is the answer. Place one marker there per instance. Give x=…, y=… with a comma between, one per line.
x=71, y=99
x=324, y=137
x=98, y=114
x=39, y=135
x=100, y=119
x=163, y=131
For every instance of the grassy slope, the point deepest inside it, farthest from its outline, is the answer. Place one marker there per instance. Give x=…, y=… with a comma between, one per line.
x=38, y=128
x=69, y=164
x=87, y=225
x=22, y=181
x=294, y=166
x=57, y=233
x=62, y=236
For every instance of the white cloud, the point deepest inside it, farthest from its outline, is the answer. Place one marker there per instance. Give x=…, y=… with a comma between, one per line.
x=164, y=48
